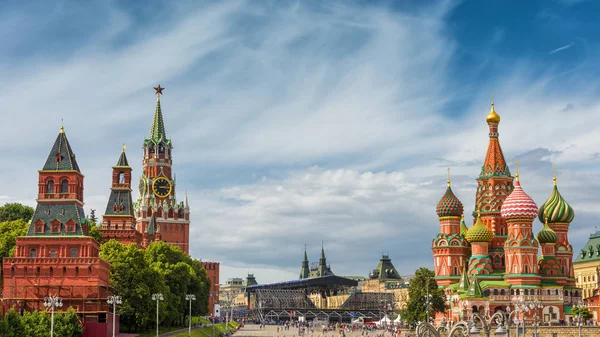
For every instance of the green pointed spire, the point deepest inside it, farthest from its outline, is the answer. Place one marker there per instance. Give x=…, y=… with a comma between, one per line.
x=158, y=126
x=474, y=289
x=464, y=284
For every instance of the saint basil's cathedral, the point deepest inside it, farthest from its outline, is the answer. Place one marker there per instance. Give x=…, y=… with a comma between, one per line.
x=57, y=257
x=494, y=263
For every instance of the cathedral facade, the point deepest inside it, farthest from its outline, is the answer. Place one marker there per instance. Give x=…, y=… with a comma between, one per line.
x=156, y=215
x=500, y=260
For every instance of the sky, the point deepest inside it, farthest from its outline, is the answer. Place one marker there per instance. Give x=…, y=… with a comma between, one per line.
x=308, y=122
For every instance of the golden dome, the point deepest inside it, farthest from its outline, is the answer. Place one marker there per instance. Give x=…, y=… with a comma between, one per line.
x=493, y=117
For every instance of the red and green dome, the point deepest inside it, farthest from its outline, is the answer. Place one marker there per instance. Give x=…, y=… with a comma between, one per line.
x=556, y=209
x=479, y=232
x=449, y=205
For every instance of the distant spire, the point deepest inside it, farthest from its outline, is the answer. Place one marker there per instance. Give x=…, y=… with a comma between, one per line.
x=448, y=177
x=158, y=127
x=322, y=250
x=187, y=204
x=305, y=255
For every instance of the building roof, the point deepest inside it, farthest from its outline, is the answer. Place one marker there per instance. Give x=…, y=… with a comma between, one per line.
x=61, y=156
x=122, y=159
x=385, y=270
x=591, y=250
x=63, y=214
x=330, y=281
x=119, y=203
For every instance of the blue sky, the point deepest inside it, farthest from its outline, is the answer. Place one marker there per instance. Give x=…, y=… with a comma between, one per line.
x=296, y=122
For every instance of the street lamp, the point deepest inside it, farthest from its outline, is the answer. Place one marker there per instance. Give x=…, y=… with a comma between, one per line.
x=157, y=297
x=52, y=302
x=114, y=300
x=214, y=302
x=427, y=304
x=535, y=305
x=580, y=307
x=190, y=297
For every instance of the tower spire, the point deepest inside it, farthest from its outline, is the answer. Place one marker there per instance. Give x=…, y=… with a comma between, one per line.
x=554, y=174
x=517, y=168
x=158, y=127
x=448, y=177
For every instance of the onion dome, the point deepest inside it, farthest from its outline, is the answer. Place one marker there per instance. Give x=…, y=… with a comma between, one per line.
x=479, y=232
x=463, y=226
x=556, y=209
x=518, y=205
x=547, y=235
x=449, y=205
x=493, y=117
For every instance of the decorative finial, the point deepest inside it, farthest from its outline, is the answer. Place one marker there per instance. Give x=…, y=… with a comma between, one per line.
x=517, y=175
x=554, y=174
x=448, y=177
x=479, y=213
x=462, y=217
x=546, y=221
x=159, y=90
x=62, y=126
x=124, y=147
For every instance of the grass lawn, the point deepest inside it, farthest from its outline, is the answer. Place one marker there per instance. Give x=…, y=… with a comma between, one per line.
x=207, y=330
x=162, y=330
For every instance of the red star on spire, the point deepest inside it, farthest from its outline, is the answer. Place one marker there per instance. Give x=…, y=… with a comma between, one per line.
x=159, y=90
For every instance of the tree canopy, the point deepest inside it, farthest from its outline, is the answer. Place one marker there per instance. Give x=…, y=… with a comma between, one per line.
x=419, y=287
x=37, y=324
x=136, y=274
x=14, y=211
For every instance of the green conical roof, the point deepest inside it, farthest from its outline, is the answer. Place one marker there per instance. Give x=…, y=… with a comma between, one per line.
x=463, y=227
x=463, y=284
x=122, y=159
x=546, y=234
x=158, y=126
x=61, y=156
x=479, y=232
x=474, y=289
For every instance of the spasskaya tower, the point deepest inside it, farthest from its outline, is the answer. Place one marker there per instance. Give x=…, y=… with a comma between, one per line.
x=159, y=216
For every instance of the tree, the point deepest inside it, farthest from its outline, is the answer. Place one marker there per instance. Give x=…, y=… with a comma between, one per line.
x=95, y=233
x=585, y=313
x=10, y=324
x=422, y=284
x=67, y=324
x=14, y=211
x=9, y=231
x=92, y=217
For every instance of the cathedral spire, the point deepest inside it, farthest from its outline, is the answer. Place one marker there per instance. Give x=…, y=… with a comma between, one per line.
x=304, y=271
x=494, y=164
x=158, y=127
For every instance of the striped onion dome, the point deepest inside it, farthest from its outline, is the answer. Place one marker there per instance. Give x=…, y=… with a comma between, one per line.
x=556, y=209
x=463, y=226
x=547, y=235
x=449, y=205
x=518, y=205
x=479, y=232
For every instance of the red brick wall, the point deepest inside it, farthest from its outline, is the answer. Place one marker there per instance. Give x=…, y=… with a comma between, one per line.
x=212, y=270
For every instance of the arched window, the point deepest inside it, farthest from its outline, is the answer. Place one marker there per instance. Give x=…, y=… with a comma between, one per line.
x=121, y=177
x=50, y=186
x=502, y=292
x=526, y=292
x=495, y=291
x=74, y=252
x=151, y=149
x=52, y=253
x=33, y=252
x=64, y=186
x=166, y=230
x=161, y=148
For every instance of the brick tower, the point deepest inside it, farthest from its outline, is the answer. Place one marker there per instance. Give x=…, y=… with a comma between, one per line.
x=521, y=247
x=450, y=248
x=157, y=204
x=57, y=257
x=118, y=221
x=560, y=214
x=493, y=186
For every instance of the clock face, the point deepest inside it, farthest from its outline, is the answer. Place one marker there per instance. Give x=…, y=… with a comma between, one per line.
x=161, y=187
x=142, y=186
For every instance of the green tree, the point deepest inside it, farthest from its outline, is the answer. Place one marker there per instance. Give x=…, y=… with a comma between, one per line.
x=92, y=217
x=95, y=233
x=419, y=287
x=585, y=313
x=10, y=324
x=9, y=231
x=35, y=323
x=14, y=211
x=67, y=324
x=135, y=281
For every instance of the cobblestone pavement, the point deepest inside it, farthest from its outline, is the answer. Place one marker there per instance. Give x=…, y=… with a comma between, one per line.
x=271, y=330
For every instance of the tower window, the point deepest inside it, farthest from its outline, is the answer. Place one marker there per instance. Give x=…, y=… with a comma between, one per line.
x=52, y=253
x=64, y=186
x=151, y=148
x=161, y=148
x=74, y=252
x=121, y=177
x=50, y=186
x=33, y=252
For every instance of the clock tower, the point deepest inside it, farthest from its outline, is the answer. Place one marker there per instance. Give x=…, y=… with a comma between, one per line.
x=159, y=215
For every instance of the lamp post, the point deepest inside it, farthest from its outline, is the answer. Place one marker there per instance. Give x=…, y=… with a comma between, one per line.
x=214, y=302
x=52, y=302
x=427, y=304
x=520, y=307
x=580, y=308
x=535, y=305
x=190, y=297
x=114, y=300
x=157, y=297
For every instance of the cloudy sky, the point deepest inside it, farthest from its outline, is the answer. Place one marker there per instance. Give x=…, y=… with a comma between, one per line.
x=297, y=122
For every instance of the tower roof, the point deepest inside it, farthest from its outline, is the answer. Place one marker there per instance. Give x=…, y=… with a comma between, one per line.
x=122, y=162
x=464, y=284
x=449, y=205
x=546, y=234
x=494, y=164
x=463, y=227
x=518, y=204
x=479, y=232
x=385, y=270
x=474, y=288
x=157, y=132
x=556, y=209
x=152, y=228
x=61, y=156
